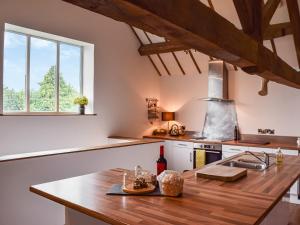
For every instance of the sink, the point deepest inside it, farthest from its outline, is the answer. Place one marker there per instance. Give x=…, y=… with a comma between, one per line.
x=247, y=161
x=246, y=165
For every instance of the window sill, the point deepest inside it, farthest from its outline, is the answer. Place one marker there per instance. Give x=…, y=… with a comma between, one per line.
x=47, y=114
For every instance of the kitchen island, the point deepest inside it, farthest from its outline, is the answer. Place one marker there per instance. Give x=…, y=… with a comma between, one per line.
x=255, y=199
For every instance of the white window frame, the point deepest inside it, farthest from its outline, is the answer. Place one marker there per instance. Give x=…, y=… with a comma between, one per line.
x=86, y=51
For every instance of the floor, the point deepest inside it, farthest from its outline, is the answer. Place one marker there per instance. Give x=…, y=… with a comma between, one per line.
x=294, y=214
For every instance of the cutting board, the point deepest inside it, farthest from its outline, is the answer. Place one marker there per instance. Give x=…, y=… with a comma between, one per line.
x=130, y=190
x=222, y=173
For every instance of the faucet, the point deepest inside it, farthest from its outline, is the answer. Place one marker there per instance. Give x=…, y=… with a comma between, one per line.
x=266, y=161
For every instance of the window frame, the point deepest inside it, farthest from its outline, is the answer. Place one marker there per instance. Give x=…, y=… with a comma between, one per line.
x=28, y=73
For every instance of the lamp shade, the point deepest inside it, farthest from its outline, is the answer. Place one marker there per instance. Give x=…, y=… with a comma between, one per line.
x=167, y=116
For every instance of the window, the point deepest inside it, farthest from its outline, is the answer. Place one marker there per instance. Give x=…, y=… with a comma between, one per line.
x=43, y=74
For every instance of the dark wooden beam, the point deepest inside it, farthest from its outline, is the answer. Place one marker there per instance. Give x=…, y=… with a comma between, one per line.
x=273, y=47
x=162, y=47
x=273, y=31
x=293, y=9
x=200, y=28
x=278, y=30
x=211, y=5
x=250, y=15
x=268, y=12
x=194, y=61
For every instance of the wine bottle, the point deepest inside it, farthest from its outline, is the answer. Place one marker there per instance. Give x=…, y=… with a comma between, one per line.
x=236, y=133
x=161, y=162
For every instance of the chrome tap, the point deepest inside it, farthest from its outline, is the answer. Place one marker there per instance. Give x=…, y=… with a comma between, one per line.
x=266, y=158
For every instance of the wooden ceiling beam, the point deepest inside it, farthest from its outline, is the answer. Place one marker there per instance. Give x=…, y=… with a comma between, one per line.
x=250, y=15
x=278, y=30
x=268, y=12
x=293, y=9
x=198, y=27
x=273, y=31
x=162, y=47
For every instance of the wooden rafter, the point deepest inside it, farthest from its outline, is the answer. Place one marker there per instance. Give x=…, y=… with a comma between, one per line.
x=149, y=57
x=273, y=46
x=272, y=32
x=177, y=61
x=250, y=15
x=194, y=61
x=158, y=55
x=162, y=47
x=293, y=9
x=278, y=30
x=268, y=12
x=201, y=29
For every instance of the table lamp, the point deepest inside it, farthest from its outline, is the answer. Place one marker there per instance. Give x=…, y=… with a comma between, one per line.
x=168, y=116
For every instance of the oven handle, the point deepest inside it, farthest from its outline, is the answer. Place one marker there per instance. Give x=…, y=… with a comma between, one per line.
x=214, y=152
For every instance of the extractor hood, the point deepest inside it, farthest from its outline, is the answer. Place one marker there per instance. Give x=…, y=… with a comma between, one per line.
x=221, y=117
x=217, y=82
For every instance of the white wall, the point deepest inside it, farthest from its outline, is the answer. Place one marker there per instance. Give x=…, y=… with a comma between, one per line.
x=123, y=79
x=21, y=207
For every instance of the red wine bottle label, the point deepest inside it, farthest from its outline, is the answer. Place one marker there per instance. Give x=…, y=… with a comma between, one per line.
x=160, y=168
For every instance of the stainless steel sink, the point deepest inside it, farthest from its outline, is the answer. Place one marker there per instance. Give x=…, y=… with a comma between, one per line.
x=246, y=165
x=249, y=160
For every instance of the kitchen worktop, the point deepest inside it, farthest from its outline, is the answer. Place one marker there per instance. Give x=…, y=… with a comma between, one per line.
x=243, y=202
x=283, y=142
x=40, y=154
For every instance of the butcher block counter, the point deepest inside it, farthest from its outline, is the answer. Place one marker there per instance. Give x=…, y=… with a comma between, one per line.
x=284, y=142
x=249, y=200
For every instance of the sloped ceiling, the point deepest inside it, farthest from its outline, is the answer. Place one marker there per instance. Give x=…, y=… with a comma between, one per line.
x=226, y=9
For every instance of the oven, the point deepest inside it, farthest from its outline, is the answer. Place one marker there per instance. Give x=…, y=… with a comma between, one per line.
x=206, y=153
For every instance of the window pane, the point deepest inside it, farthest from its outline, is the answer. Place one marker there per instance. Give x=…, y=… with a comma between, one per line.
x=69, y=81
x=14, y=72
x=42, y=75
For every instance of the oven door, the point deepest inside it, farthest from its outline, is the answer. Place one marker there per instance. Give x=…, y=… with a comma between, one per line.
x=212, y=156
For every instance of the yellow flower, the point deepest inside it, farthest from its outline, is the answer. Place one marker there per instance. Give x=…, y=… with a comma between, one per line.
x=81, y=100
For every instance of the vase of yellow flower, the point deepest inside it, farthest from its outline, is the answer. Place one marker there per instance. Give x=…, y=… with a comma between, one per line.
x=82, y=102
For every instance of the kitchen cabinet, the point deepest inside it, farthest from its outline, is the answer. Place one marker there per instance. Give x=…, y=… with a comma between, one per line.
x=179, y=155
x=231, y=150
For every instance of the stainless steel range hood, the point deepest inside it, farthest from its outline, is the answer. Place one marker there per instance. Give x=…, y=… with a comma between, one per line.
x=217, y=82
x=220, y=118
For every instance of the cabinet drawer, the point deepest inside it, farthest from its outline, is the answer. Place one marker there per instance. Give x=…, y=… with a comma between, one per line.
x=183, y=144
x=234, y=148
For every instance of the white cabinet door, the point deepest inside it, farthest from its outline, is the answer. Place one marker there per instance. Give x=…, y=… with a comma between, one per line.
x=179, y=155
x=183, y=159
x=169, y=154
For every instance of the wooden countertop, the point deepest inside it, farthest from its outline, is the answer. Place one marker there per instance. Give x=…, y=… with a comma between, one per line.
x=30, y=155
x=244, y=202
x=283, y=142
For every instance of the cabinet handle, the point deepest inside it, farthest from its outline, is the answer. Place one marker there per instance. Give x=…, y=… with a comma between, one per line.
x=191, y=157
x=235, y=149
x=213, y=152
